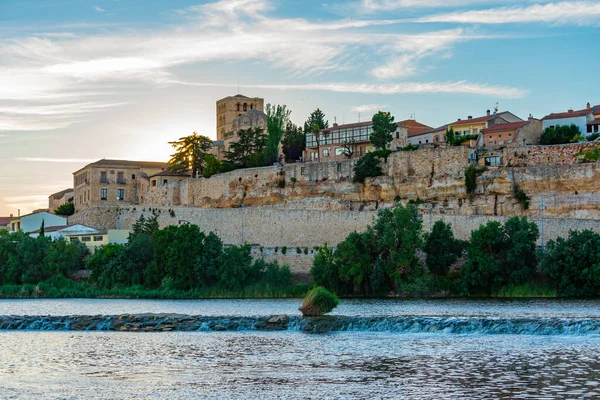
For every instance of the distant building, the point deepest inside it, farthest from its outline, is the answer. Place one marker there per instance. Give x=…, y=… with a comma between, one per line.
x=587, y=119
x=435, y=136
x=112, y=182
x=5, y=223
x=32, y=222
x=58, y=232
x=335, y=142
x=512, y=134
x=58, y=199
x=232, y=107
x=93, y=240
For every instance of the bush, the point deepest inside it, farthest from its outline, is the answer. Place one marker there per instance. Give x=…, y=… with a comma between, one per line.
x=522, y=198
x=318, y=301
x=471, y=178
x=410, y=147
x=442, y=248
x=66, y=209
x=367, y=166
x=573, y=264
x=560, y=134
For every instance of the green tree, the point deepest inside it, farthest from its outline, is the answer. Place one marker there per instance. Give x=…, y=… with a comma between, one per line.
x=442, y=248
x=144, y=226
x=66, y=209
x=247, y=151
x=325, y=271
x=573, y=264
x=450, y=136
x=560, y=134
x=190, y=154
x=213, y=166
x=367, y=166
x=277, y=118
x=482, y=271
x=42, y=230
x=293, y=142
x=383, y=128
x=355, y=258
x=316, y=120
x=520, y=257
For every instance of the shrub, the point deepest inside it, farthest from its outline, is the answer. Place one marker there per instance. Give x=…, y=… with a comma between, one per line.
x=560, y=134
x=442, y=248
x=367, y=166
x=284, y=250
x=293, y=179
x=520, y=195
x=318, y=301
x=382, y=153
x=66, y=209
x=589, y=155
x=471, y=178
x=410, y=147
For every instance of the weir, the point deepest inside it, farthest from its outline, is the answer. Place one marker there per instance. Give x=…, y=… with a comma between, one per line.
x=325, y=324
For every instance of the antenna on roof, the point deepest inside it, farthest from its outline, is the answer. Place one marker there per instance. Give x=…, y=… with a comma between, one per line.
x=496, y=108
x=358, y=117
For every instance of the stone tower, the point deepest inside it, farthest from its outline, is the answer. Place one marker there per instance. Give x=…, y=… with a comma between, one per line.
x=232, y=107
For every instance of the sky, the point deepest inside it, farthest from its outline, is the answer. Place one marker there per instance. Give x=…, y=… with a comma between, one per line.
x=82, y=80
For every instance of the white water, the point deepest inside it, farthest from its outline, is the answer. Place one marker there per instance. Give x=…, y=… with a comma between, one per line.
x=393, y=364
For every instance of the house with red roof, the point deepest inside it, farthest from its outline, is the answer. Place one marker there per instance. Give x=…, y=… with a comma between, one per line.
x=586, y=119
x=512, y=134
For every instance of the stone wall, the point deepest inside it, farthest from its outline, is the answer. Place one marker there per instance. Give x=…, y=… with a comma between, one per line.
x=270, y=228
x=561, y=154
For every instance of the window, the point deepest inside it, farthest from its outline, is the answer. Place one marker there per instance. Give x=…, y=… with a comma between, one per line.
x=252, y=106
x=132, y=177
x=121, y=194
x=13, y=227
x=500, y=142
x=595, y=128
x=238, y=106
x=509, y=140
x=303, y=171
x=98, y=238
x=165, y=181
x=419, y=142
x=121, y=177
x=589, y=129
x=73, y=239
x=86, y=239
x=426, y=140
x=340, y=151
x=397, y=135
x=154, y=182
x=245, y=107
x=18, y=226
x=103, y=178
x=325, y=152
x=492, y=161
x=103, y=194
x=339, y=167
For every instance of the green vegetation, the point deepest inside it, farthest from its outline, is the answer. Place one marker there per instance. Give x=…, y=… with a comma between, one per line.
x=316, y=120
x=248, y=150
x=410, y=147
x=561, y=134
x=471, y=174
x=442, y=249
x=522, y=197
x=190, y=154
x=66, y=209
x=367, y=166
x=277, y=118
x=383, y=128
x=293, y=142
x=318, y=301
x=589, y=155
x=454, y=140
x=213, y=166
x=174, y=262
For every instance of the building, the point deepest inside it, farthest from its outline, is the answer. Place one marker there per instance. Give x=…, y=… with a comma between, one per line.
x=249, y=120
x=5, y=223
x=232, y=107
x=512, y=134
x=97, y=239
x=587, y=119
x=474, y=126
x=352, y=140
x=58, y=199
x=436, y=136
x=112, y=182
x=58, y=232
x=32, y=222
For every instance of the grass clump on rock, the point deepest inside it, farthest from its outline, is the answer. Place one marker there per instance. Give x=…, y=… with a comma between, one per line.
x=318, y=301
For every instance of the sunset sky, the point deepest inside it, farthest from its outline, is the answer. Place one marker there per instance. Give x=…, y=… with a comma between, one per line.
x=82, y=80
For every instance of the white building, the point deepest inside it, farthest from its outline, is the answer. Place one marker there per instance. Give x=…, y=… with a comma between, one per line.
x=57, y=232
x=583, y=119
x=33, y=222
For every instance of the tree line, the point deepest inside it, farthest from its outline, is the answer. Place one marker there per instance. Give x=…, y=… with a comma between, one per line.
x=394, y=255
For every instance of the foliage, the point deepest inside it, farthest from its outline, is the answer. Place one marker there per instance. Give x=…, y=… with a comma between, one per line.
x=213, y=166
x=144, y=226
x=318, y=301
x=471, y=178
x=293, y=142
x=589, y=155
x=442, y=248
x=325, y=271
x=522, y=197
x=66, y=209
x=592, y=137
x=190, y=154
x=277, y=119
x=367, y=166
x=248, y=150
x=450, y=136
x=560, y=134
x=573, y=264
x=382, y=153
x=354, y=258
x=500, y=255
x=383, y=128
x=409, y=147
x=316, y=120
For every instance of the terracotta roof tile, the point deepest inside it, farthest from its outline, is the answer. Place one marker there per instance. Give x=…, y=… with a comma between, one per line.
x=5, y=220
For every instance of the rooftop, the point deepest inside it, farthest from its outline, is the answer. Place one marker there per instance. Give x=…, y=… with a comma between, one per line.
x=171, y=173
x=506, y=127
x=5, y=220
x=573, y=113
x=126, y=163
x=60, y=194
x=51, y=229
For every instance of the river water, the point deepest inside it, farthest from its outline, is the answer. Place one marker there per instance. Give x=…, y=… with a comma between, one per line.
x=404, y=349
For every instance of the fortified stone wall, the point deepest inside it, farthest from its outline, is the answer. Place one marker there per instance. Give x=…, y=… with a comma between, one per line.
x=562, y=154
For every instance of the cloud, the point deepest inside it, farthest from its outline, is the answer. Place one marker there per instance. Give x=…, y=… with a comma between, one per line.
x=561, y=13
x=99, y=9
x=387, y=5
x=459, y=87
x=55, y=160
x=368, y=107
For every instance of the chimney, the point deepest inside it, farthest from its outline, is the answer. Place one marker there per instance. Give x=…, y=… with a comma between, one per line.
x=588, y=107
x=488, y=113
x=335, y=124
x=570, y=110
x=458, y=119
x=11, y=215
x=470, y=117
x=19, y=212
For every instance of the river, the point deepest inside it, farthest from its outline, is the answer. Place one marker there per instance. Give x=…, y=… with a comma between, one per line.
x=223, y=349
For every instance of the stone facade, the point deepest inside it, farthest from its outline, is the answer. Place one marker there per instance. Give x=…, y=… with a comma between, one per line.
x=232, y=107
x=115, y=182
x=58, y=199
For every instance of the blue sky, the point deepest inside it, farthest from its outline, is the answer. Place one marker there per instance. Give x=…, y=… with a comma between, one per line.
x=81, y=80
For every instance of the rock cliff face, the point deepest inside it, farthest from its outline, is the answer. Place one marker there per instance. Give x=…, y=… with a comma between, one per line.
x=433, y=177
